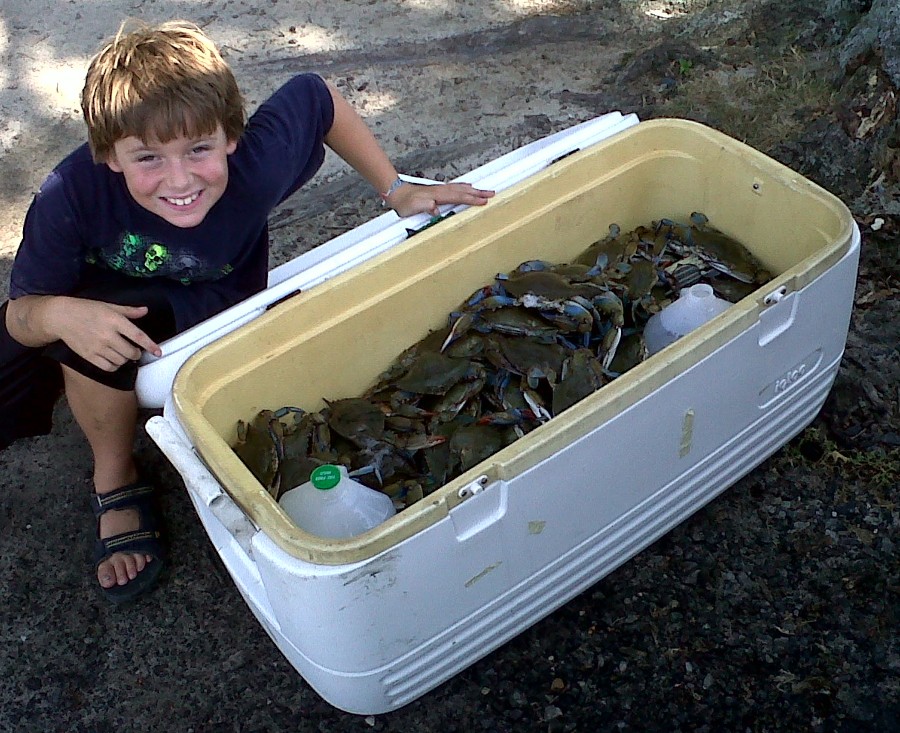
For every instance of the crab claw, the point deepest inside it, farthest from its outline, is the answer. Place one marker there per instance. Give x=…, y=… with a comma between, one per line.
x=610, y=344
x=462, y=324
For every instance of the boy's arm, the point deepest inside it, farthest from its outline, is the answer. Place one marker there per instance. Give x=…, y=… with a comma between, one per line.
x=101, y=333
x=351, y=138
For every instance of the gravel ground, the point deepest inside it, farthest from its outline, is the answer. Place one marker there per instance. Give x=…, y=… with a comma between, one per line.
x=774, y=608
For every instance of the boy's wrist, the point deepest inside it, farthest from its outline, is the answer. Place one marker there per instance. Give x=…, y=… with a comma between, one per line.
x=392, y=189
x=31, y=319
x=46, y=316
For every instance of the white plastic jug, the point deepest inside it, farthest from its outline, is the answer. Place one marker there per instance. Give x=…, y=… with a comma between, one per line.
x=694, y=307
x=331, y=504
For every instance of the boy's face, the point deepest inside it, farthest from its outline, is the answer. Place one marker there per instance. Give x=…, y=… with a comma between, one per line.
x=179, y=180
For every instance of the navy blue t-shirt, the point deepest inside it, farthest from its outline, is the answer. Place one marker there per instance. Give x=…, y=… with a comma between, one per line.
x=83, y=227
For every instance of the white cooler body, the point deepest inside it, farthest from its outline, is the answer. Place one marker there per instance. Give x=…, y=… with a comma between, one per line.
x=372, y=635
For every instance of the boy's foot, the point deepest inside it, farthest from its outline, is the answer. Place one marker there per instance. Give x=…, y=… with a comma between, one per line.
x=122, y=566
x=128, y=552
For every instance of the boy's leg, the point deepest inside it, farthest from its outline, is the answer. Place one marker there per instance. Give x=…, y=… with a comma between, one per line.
x=108, y=417
x=105, y=407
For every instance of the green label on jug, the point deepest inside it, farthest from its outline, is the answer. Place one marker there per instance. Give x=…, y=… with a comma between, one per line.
x=325, y=477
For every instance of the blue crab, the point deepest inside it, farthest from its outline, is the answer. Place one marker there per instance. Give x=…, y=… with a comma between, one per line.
x=582, y=375
x=432, y=373
x=513, y=355
x=259, y=447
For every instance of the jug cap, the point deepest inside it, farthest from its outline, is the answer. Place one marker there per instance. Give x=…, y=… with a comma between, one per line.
x=325, y=477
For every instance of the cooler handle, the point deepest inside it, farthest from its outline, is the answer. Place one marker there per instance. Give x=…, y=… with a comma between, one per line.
x=201, y=482
x=233, y=545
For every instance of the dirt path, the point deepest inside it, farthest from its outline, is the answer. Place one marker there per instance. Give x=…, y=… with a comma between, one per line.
x=455, y=92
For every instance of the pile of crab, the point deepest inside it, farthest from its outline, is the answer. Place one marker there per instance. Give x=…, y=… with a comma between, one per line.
x=513, y=355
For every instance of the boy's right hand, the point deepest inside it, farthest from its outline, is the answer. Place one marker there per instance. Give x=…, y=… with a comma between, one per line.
x=102, y=333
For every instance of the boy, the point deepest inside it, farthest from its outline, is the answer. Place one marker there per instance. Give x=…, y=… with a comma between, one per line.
x=153, y=226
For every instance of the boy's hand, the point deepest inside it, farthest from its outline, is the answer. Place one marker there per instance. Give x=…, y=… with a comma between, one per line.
x=350, y=138
x=102, y=333
x=412, y=198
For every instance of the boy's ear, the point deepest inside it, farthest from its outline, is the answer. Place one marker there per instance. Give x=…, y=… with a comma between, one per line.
x=231, y=147
x=113, y=163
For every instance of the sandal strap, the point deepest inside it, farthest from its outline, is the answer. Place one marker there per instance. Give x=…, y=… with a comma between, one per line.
x=146, y=539
x=137, y=542
x=131, y=495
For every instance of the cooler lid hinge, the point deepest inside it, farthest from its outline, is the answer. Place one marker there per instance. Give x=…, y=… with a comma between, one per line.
x=473, y=487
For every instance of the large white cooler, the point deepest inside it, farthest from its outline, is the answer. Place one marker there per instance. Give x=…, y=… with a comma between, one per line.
x=376, y=621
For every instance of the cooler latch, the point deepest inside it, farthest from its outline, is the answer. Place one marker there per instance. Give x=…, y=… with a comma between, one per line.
x=479, y=508
x=778, y=314
x=473, y=487
x=775, y=296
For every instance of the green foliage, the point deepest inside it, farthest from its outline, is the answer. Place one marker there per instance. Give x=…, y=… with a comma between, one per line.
x=875, y=467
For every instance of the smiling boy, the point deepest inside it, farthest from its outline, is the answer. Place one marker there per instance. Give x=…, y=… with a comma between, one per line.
x=179, y=180
x=159, y=222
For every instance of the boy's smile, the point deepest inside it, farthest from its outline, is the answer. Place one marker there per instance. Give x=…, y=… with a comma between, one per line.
x=179, y=180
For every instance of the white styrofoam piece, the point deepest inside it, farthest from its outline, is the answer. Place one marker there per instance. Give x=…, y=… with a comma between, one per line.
x=156, y=375
x=374, y=635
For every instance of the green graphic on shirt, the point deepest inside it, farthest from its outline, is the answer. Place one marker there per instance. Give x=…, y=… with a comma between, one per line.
x=141, y=256
x=130, y=244
x=155, y=256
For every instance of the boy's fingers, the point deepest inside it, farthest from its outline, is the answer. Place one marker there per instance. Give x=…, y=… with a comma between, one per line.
x=131, y=311
x=134, y=334
x=462, y=193
x=142, y=341
x=117, y=353
x=415, y=199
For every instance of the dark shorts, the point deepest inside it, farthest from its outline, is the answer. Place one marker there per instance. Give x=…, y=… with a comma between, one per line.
x=31, y=378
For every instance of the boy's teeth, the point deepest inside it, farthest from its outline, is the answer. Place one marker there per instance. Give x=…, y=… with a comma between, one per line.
x=183, y=202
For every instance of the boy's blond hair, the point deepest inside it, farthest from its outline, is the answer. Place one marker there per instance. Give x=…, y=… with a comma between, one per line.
x=159, y=82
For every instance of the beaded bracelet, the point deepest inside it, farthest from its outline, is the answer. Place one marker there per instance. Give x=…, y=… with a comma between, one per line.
x=393, y=187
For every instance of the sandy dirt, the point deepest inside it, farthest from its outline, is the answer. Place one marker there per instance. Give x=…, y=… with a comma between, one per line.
x=452, y=78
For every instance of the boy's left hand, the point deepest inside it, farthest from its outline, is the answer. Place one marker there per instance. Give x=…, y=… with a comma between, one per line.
x=413, y=198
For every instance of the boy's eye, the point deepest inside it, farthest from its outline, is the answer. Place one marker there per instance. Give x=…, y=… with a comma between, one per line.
x=146, y=158
x=202, y=148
